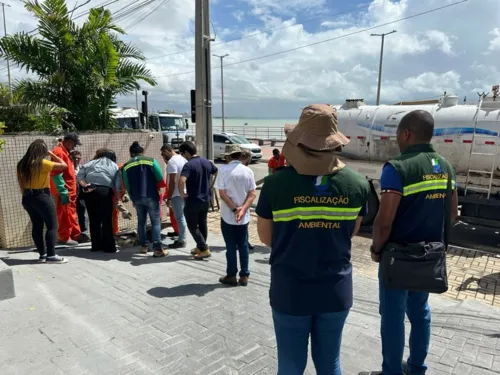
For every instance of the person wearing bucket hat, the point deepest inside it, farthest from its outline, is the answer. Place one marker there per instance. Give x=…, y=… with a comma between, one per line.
x=236, y=185
x=309, y=226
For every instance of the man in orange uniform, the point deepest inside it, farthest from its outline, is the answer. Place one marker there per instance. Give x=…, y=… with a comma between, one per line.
x=64, y=188
x=116, y=211
x=276, y=162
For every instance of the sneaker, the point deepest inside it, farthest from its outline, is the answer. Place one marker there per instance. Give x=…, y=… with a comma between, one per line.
x=177, y=245
x=144, y=249
x=84, y=238
x=69, y=242
x=57, y=260
x=42, y=259
x=243, y=280
x=160, y=253
x=195, y=251
x=227, y=280
x=172, y=234
x=203, y=255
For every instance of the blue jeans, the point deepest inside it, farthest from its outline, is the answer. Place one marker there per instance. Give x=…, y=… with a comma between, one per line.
x=151, y=207
x=394, y=304
x=178, y=207
x=292, y=338
x=236, y=239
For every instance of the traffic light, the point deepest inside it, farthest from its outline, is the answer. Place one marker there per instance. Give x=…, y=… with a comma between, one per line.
x=193, y=106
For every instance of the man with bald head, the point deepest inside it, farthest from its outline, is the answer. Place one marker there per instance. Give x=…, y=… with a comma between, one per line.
x=412, y=211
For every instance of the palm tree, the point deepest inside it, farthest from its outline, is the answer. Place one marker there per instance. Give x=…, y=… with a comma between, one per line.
x=80, y=68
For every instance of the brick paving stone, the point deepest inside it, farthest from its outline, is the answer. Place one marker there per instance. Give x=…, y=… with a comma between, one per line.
x=131, y=314
x=472, y=274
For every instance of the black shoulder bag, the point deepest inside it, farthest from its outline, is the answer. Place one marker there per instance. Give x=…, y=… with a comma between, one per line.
x=419, y=267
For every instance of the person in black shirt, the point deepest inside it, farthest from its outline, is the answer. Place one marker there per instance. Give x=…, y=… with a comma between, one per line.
x=194, y=186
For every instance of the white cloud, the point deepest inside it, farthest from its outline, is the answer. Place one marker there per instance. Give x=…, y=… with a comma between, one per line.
x=239, y=15
x=428, y=55
x=495, y=41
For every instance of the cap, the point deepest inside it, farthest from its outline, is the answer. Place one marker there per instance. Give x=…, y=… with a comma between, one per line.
x=73, y=137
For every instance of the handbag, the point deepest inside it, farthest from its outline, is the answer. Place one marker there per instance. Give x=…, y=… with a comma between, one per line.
x=419, y=267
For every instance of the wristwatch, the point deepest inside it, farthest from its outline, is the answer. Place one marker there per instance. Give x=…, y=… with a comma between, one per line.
x=234, y=209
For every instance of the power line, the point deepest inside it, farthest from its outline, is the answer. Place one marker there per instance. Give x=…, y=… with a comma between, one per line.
x=330, y=39
x=352, y=10
x=132, y=12
x=146, y=14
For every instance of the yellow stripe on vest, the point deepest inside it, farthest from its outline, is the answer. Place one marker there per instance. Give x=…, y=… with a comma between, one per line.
x=139, y=162
x=426, y=186
x=316, y=213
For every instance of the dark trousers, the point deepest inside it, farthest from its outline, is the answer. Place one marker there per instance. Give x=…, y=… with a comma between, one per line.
x=196, y=213
x=42, y=211
x=100, y=209
x=80, y=211
x=236, y=239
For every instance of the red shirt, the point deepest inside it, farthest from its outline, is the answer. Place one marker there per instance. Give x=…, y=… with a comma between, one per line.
x=68, y=174
x=274, y=163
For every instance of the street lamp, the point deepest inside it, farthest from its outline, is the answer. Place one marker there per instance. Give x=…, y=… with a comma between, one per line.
x=380, y=64
x=222, y=85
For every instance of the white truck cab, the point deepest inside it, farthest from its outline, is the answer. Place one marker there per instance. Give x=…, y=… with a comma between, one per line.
x=173, y=126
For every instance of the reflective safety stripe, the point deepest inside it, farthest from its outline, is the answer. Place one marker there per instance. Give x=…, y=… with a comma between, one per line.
x=317, y=213
x=426, y=186
x=139, y=162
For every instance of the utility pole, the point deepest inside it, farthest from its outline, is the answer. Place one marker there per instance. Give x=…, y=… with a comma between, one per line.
x=136, y=100
x=204, y=135
x=381, y=60
x=222, y=86
x=5, y=33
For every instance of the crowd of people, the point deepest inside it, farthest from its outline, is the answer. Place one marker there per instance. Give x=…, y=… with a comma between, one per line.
x=67, y=197
x=308, y=225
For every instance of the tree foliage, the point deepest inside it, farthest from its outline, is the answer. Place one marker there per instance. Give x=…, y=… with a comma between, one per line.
x=80, y=68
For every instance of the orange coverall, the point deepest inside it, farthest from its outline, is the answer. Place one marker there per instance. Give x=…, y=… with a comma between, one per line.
x=67, y=217
x=116, y=212
x=170, y=212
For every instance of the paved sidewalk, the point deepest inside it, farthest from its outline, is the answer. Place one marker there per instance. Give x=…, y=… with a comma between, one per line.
x=472, y=274
x=130, y=314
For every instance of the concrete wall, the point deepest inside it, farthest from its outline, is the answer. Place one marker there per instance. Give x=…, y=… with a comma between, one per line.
x=15, y=226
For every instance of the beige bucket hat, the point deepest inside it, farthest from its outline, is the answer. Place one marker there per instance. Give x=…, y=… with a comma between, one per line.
x=232, y=149
x=310, y=145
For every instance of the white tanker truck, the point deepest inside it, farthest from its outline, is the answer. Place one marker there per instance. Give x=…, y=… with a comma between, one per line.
x=466, y=135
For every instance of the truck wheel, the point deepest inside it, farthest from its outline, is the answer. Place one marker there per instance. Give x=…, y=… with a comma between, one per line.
x=373, y=205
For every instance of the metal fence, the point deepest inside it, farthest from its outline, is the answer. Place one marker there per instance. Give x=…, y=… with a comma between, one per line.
x=15, y=226
x=250, y=132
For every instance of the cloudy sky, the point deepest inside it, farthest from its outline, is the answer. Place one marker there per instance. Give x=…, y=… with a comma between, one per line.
x=310, y=51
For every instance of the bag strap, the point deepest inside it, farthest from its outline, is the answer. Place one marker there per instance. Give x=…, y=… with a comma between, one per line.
x=447, y=210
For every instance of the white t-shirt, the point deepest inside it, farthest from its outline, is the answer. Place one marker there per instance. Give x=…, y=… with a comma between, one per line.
x=175, y=165
x=237, y=180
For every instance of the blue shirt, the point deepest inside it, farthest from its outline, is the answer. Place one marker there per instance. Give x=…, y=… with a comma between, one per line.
x=417, y=219
x=311, y=271
x=198, y=171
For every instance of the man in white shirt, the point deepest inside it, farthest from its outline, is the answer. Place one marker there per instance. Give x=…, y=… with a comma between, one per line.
x=175, y=163
x=236, y=185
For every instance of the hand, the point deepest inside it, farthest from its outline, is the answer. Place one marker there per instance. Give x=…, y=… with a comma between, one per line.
x=52, y=155
x=64, y=198
x=168, y=202
x=240, y=213
x=375, y=257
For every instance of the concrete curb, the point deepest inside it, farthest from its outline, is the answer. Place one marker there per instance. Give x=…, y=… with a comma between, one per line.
x=7, y=290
